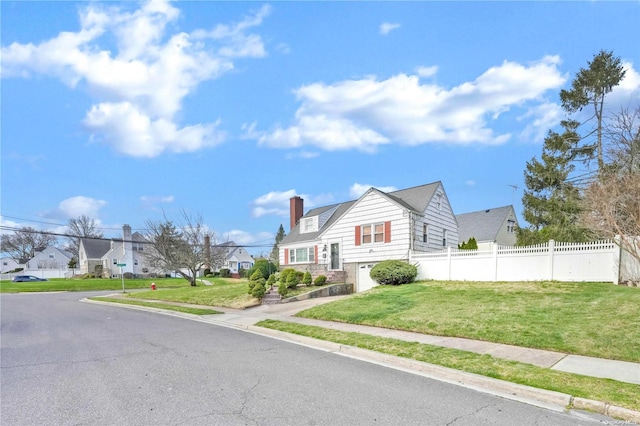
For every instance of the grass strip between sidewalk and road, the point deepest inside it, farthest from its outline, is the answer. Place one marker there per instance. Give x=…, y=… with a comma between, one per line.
x=159, y=305
x=610, y=391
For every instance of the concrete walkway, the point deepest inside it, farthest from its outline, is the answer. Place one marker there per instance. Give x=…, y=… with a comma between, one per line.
x=596, y=367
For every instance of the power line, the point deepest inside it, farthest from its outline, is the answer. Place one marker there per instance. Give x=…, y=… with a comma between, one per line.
x=57, y=234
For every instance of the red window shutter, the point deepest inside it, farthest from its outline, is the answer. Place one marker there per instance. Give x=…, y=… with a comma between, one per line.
x=286, y=256
x=315, y=249
x=387, y=231
x=358, y=237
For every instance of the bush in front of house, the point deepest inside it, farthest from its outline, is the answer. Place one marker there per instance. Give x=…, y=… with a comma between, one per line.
x=393, y=272
x=306, y=278
x=265, y=266
x=292, y=280
x=282, y=289
x=284, y=274
x=225, y=273
x=257, y=285
x=320, y=280
x=272, y=280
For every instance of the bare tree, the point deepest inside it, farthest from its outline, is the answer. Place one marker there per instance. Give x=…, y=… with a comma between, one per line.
x=623, y=133
x=81, y=227
x=612, y=207
x=179, y=247
x=23, y=243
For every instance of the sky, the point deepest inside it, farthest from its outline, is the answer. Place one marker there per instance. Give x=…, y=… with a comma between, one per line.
x=133, y=111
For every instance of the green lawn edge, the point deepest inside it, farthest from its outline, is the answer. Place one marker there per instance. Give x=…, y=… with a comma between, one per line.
x=159, y=305
x=621, y=394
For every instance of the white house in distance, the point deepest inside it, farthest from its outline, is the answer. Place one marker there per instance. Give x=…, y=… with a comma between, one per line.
x=236, y=258
x=49, y=262
x=8, y=264
x=344, y=241
x=108, y=254
x=489, y=227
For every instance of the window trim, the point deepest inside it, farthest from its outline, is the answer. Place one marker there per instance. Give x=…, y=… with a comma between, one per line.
x=378, y=233
x=293, y=256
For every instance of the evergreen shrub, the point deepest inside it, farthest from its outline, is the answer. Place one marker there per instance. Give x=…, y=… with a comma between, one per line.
x=393, y=272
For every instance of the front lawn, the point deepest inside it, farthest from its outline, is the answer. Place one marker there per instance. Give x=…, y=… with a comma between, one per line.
x=228, y=293
x=592, y=319
x=90, y=284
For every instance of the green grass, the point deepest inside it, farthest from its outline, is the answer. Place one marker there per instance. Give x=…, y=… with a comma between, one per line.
x=78, y=284
x=229, y=293
x=160, y=305
x=610, y=391
x=591, y=319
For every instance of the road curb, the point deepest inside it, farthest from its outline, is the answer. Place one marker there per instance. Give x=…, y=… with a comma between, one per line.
x=556, y=401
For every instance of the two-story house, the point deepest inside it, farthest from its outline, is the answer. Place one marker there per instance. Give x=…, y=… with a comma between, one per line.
x=344, y=241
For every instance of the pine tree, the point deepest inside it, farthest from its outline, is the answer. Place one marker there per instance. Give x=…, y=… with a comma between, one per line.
x=551, y=200
x=589, y=87
x=275, y=251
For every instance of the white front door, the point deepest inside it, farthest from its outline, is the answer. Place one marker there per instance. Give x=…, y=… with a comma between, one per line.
x=365, y=282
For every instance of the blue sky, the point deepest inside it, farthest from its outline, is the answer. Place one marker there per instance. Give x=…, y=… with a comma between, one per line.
x=127, y=111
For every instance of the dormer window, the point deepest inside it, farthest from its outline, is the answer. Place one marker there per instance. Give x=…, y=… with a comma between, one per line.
x=308, y=224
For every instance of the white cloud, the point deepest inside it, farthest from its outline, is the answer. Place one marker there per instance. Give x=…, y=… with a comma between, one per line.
x=627, y=93
x=277, y=202
x=357, y=189
x=157, y=199
x=426, y=72
x=386, y=27
x=367, y=113
x=244, y=238
x=539, y=119
x=140, y=85
x=79, y=206
x=470, y=182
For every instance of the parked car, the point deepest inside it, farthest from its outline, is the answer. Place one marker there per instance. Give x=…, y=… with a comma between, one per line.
x=27, y=278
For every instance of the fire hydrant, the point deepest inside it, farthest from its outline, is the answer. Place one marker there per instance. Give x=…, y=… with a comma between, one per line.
x=153, y=286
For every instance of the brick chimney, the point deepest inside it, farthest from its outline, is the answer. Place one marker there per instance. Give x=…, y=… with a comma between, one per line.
x=296, y=210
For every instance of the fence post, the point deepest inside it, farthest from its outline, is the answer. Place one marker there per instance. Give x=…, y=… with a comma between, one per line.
x=552, y=245
x=617, y=259
x=495, y=261
x=449, y=263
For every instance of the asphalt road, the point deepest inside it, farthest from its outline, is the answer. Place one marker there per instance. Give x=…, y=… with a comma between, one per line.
x=64, y=362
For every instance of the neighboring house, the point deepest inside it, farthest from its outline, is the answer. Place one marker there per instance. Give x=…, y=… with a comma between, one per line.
x=235, y=258
x=51, y=258
x=489, y=227
x=344, y=241
x=8, y=264
x=103, y=256
x=47, y=262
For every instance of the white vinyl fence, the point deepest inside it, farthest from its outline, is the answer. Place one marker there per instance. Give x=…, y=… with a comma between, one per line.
x=593, y=261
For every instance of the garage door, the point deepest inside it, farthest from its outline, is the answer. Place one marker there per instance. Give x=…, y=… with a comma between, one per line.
x=364, y=280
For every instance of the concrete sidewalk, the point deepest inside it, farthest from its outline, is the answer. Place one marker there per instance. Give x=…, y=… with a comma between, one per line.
x=628, y=372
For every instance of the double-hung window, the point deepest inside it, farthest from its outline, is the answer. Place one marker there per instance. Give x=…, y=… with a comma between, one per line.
x=302, y=255
x=373, y=233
